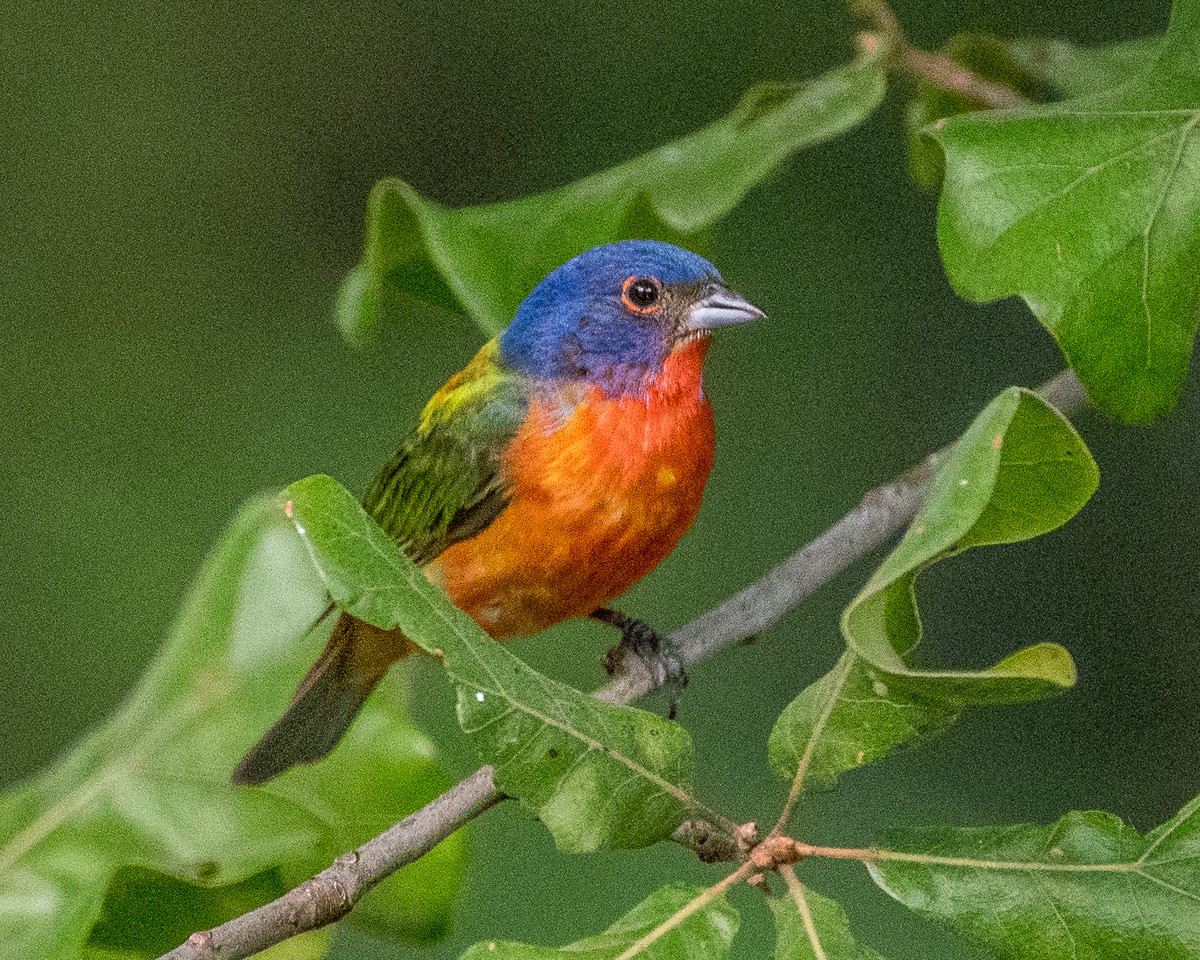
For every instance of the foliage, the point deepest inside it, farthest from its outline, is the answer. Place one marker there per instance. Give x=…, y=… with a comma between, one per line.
x=1084, y=203
x=143, y=812
x=830, y=928
x=1118, y=287
x=484, y=260
x=1086, y=886
x=596, y=775
x=1038, y=68
x=1019, y=471
x=705, y=934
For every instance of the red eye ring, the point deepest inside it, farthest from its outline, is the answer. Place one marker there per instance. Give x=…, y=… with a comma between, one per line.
x=641, y=294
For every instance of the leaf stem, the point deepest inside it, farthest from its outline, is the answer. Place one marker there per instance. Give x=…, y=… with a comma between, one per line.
x=869, y=855
x=844, y=665
x=675, y=919
x=796, y=891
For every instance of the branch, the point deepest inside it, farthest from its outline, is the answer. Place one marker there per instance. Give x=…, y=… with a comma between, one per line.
x=331, y=894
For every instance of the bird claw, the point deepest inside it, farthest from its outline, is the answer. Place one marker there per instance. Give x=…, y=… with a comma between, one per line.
x=658, y=654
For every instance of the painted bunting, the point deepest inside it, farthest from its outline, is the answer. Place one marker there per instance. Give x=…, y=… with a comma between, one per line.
x=551, y=474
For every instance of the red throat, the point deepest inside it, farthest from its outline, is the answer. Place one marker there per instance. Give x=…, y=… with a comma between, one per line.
x=683, y=371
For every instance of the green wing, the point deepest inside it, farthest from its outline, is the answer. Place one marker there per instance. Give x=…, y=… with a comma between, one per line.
x=445, y=484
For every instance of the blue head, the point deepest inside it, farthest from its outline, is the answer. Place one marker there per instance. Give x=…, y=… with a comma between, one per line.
x=612, y=315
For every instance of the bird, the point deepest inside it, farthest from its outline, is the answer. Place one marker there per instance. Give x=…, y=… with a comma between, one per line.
x=546, y=478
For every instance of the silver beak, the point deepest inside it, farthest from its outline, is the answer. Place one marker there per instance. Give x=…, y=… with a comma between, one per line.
x=720, y=308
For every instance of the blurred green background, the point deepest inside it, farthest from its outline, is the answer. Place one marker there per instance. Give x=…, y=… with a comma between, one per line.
x=183, y=190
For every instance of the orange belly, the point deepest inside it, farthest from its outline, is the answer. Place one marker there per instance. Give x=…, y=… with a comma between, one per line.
x=601, y=494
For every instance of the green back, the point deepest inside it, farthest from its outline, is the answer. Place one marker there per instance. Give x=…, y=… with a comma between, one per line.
x=445, y=483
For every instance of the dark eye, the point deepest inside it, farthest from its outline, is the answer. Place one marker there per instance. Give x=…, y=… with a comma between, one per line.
x=641, y=293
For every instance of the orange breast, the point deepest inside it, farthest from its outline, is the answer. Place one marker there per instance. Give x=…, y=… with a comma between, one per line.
x=603, y=489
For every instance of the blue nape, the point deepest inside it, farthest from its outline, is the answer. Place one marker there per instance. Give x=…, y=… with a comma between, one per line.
x=574, y=326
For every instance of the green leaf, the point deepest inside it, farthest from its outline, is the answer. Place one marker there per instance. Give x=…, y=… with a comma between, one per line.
x=1020, y=470
x=597, y=775
x=830, y=933
x=307, y=946
x=988, y=57
x=178, y=911
x=1064, y=69
x=484, y=260
x=702, y=935
x=1089, y=209
x=179, y=908
x=1085, y=888
x=142, y=812
x=1039, y=69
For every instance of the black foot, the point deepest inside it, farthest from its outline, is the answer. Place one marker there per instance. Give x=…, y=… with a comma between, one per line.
x=659, y=654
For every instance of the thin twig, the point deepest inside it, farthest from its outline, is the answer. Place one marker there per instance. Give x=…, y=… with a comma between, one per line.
x=329, y=896
x=935, y=68
x=950, y=75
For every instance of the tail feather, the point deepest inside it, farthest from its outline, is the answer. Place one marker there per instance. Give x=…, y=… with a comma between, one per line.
x=328, y=699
